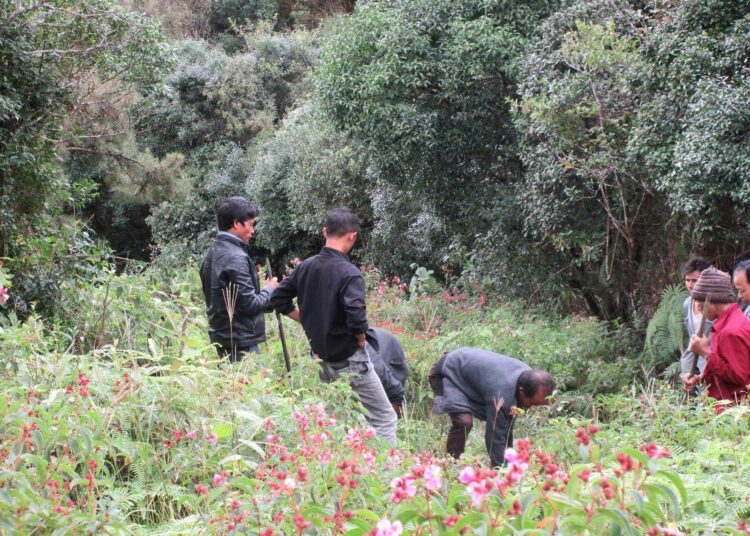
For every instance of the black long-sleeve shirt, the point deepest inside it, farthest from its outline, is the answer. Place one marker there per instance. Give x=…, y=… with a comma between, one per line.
x=330, y=292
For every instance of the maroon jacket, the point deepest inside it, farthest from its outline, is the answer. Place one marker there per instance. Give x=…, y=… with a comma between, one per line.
x=728, y=369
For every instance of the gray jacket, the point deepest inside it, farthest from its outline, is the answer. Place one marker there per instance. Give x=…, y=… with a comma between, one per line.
x=227, y=261
x=389, y=361
x=691, y=322
x=482, y=383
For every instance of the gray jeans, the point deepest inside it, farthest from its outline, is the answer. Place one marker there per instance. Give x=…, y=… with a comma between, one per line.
x=367, y=385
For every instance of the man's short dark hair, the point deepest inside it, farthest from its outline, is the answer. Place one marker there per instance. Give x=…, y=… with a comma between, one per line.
x=743, y=266
x=341, y=221
x=695, y=264
x=534, y=379
x=235, y=209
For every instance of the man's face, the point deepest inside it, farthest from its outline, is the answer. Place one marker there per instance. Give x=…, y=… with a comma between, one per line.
x=740, y=283
x=691, y=279
x=713, y=312
x=540, y=398
x=244, y=231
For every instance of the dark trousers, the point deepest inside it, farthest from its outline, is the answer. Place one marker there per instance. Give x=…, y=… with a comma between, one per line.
x=236, y=354
x=461, y=423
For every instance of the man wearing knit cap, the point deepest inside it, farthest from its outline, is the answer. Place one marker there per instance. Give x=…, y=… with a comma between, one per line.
x=727, y=371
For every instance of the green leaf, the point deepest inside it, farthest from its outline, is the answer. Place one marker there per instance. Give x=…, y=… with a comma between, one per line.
x=469, y=520
x=438, y=505
x=246, y=484
x=677, y=481
x=619, y=518
x=223, y=431
x=655, y=490
x=563, y=499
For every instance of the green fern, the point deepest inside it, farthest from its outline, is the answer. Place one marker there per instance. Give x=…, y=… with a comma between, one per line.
x=665, y=332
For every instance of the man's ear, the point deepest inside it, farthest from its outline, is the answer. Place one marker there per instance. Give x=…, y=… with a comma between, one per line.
x=325, y=233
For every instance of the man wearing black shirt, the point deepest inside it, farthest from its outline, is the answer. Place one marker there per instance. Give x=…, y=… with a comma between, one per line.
x=330, y=292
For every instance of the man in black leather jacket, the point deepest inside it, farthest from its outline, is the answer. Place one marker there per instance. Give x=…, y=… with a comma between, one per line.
x=235, y=303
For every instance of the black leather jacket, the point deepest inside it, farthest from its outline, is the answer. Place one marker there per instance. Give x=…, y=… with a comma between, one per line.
x=227, y=261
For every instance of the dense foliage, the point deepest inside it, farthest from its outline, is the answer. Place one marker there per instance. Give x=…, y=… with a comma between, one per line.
x=475, y=138
x=120, y=419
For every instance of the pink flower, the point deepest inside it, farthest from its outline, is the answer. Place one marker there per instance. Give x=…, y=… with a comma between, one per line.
x=467, y=475
x=626, y=462
x=386, y=528
x=451, y=521
x=478, y=491
x=582, y=437
x=212, y=438
x=301, y=419
x=670, y=532
x=191, y=435
x=653, y=451
x=511, y=455
x=515, y=472
x=403, y=488
x=3, y=295
x=219, y=478
x=432, y=477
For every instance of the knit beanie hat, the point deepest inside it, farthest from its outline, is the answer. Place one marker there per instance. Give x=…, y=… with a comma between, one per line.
x=714, y=283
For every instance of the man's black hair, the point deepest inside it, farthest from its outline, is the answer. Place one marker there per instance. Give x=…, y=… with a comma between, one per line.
x=341, y=221
x=534, y=379
x=745, y=266
x=695, y=264
x=235, y=209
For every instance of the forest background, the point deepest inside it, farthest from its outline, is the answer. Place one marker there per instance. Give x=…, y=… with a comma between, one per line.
x=602, y=143
x=530, y=177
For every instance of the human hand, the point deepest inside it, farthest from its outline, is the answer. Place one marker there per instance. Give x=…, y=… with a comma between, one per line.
x=690, y=381
x=700, y=345
x=273, y=282
x=399, y=411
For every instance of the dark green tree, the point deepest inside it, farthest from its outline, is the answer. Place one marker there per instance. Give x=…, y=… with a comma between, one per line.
x=55, y=58
x=424, y=86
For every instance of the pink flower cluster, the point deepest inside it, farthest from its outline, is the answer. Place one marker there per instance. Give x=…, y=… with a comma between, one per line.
x=3, y=295
x=654, y=452
x=405, y=487
x=663, y=531
x=178, y=436
x=387, y=528
x=584, y=438
x=83, y=383
x=480, y=482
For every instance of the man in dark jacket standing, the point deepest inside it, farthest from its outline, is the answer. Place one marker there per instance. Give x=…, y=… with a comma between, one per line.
x=471, y=382
x=235, y=303
x=330, y=292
